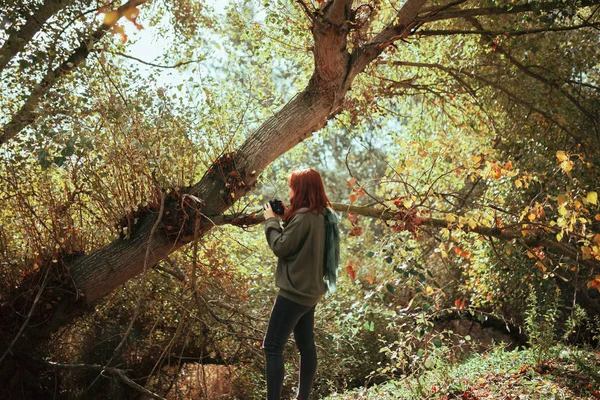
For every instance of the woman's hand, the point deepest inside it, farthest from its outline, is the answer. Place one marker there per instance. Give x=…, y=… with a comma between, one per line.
x=268, y=211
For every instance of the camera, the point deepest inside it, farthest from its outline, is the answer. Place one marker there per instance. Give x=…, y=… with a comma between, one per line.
x=277, y=206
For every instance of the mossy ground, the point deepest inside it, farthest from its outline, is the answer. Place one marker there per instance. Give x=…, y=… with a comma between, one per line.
x=559, y=373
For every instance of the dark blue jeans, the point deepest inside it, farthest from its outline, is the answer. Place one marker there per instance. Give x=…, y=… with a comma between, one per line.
x=288, y=316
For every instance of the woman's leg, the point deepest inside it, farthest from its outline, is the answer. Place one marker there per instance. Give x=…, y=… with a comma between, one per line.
x=305, y=341
x=284, y=317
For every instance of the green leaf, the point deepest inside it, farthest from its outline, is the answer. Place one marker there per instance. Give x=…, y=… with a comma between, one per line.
x=69, y=149
x=59, y=161
x=389, y=288
x=437, y=343
x=42, y=157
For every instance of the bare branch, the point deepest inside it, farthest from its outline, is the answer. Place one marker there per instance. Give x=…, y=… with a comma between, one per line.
x=385, y=214
x=508, y=9
x=33, y=306
x=119, y=373
x=180, y=64
x=446, y=32
x=495, y=85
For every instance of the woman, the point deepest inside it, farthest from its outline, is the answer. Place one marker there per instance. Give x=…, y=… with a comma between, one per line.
x=300, y=249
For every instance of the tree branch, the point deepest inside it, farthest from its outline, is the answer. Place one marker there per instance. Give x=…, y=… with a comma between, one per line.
x=508, y=9
x=495, y=85
x=592, y=118
x=19, y=37
x=400, y=27
x=26, y=114
x=387, y=215
x=179, y=64
x=446, y=32
x=119, y=373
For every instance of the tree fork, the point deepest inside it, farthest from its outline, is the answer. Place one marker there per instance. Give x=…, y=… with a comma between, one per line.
x=96, y=274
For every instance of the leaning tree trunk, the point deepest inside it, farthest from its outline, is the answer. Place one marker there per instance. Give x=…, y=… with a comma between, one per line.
x=188, y=214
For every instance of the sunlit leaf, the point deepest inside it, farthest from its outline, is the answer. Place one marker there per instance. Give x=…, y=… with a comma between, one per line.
x=111, y=18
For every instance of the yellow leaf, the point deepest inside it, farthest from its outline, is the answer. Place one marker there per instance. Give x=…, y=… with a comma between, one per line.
x=562, y=199
x=567, y=165
x=531, y=217
x=597, y=239
x=476, y=158
x=472, y=224
x=559, y=236
x=562, y=210
x=450, y=218
x=518, y=183
x=429, y=290
x=541, y=265
x=119, y=30
x=561, y=156
x=586, y=252
x=407, y=203
x=111, y=18
x=592, y=197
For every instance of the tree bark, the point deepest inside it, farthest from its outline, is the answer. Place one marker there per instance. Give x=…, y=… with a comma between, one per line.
x=233, y=175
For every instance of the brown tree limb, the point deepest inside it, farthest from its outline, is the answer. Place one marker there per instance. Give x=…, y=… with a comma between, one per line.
x=495, y=85
x=27, y=113
x=20, y=36
x=503, y=10
x=151, y=64
x=450, y=32
x=119, y=373
x=504, y=234
x=527, y=71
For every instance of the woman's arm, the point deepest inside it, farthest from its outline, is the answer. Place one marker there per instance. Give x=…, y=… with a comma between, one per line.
x=285, y=242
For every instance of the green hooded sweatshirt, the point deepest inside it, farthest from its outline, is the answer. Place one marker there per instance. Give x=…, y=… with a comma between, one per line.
x=299, y=247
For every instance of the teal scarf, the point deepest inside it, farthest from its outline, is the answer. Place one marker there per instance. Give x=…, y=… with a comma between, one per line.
x=332, y=249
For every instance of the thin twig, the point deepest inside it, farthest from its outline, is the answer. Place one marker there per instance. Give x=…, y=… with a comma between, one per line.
x=180, y=64
x=119, y=373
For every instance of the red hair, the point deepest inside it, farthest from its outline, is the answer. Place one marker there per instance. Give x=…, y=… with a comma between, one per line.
x=308, y=192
